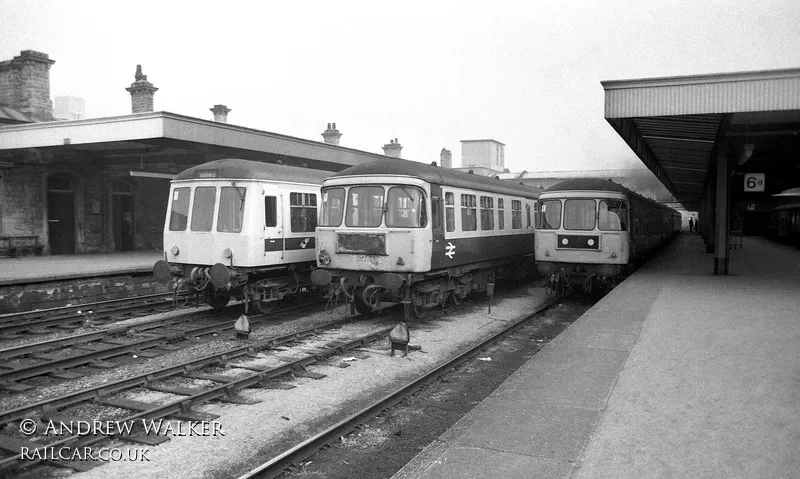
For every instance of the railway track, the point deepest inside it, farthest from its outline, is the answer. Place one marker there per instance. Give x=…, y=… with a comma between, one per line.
x=226, y=389
x=72, y=317
x=277, y=465
x=94, y=349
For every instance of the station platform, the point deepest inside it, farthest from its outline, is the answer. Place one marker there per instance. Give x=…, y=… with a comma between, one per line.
x=675, y=373
x=38, y=269
x=41, y=282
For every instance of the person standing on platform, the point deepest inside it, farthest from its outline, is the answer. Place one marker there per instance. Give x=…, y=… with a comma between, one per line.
x=691, y=223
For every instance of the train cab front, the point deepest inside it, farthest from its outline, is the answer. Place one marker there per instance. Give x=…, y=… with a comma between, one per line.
x=368, y=240
x=581, y=241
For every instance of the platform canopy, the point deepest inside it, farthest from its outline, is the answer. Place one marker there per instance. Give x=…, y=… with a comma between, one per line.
x=675, y=125
x=162, y=136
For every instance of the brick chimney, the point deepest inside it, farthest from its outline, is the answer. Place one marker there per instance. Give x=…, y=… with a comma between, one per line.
x=331, y=135
x=25, y=84
x=142, y=92
x=220, y=113
x=392, y=148
x=446, y=158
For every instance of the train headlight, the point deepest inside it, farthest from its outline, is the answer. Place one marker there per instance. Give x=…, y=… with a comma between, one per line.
x=324, y=258
x=227, y=253
x=547, y=253
x=613, y=255
x=175, y=250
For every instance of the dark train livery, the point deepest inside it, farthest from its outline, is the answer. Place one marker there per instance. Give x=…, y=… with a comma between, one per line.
x=400, y=231
x=590, y=231
x=784, y=224
x=241, y=229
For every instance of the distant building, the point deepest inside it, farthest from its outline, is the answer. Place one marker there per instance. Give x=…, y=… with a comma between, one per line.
x=69, y=108
x=483, y=154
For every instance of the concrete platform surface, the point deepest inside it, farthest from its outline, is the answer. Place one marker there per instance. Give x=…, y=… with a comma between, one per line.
x=675, y=373
x=58, y=267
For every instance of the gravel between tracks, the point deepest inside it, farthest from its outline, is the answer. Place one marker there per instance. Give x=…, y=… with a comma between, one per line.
x=253, y=433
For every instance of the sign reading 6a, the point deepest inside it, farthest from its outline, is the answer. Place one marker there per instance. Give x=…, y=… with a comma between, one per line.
x=754, y=182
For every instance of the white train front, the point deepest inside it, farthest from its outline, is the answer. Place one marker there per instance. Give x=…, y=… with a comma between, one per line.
x=241, y=229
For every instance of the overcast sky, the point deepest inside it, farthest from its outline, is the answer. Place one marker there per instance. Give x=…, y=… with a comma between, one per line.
x=429, y=73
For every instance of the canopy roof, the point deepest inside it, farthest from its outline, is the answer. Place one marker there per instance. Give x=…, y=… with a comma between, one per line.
x=676, y=125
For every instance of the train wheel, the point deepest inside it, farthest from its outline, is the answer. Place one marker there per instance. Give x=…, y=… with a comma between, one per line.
x=360, y=306
x=216, y=300
x=265, y=307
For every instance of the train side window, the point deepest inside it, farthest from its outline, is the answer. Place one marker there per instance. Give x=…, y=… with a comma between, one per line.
x=270, y=211
x=231, y=209
x=203, y=208
x=469, y=219
x=332, y=207
x=179, y=212
x=548, y=214
x=579, y=214
x=449, y=212
x=501, y=215
x=612, y=215
x=303, y=211
x=487, y=213
x=516, y=214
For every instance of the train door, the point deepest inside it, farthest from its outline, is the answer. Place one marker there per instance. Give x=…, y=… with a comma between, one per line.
x=437, y=227
x=122, y=193
x=273, y=231
x=61, y=214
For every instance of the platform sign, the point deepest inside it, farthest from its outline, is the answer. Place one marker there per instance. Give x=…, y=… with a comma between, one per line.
x=754, y=182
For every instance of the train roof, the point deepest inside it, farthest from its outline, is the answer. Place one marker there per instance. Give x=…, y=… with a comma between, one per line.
x=438, y=175
x=599, y=184
x=236, y=168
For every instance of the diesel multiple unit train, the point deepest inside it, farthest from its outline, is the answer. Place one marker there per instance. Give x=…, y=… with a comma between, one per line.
x=392, y=231
x=399, y=231
x=241, y=229
x=591, y=231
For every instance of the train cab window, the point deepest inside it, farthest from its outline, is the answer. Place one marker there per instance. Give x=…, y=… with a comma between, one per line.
x=501, y=215
x=469, y=219
x=487, y=213
x=449, y=212
x=303, y=212
x=364, y=206
x=516, y=214
x=548, y=214
x=231, y=209
x=203, y=208
x=405, y=207
x=179, y=212
x=612, y=215
x=270, y=211
x=332, y=207
x=579, y=214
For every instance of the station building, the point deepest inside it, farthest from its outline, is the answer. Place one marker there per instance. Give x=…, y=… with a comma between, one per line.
x=101, y=185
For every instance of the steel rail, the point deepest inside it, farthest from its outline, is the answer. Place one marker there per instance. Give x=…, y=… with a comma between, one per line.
x=276, y=466
x=225, y=389
x=112, y=351
x=97, y=392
